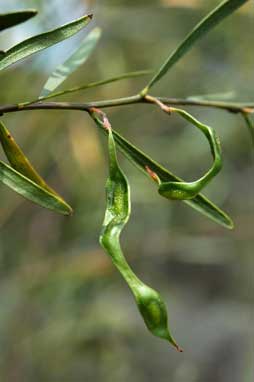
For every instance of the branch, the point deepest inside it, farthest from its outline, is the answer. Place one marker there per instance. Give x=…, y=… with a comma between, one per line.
x=235, y=107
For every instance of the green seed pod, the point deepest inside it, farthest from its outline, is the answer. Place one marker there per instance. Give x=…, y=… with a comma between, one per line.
x=154, y=312
x=189, y=190
x=161, y=175
x=178, y=190
x=149, y=302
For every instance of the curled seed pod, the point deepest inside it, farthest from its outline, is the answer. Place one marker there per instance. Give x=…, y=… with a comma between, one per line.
x=149, y=166
x=25, y=180
x=149, y=302
x=188, y=190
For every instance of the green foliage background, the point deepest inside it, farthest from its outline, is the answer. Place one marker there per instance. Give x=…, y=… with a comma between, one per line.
x=65, y=313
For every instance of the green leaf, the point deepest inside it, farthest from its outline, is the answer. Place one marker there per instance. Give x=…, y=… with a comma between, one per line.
x=77, y=59
x=90, y=85
x=142, y=161
x=9, y=20
x=24, y=168
x=149, y=302
x=17, y=158
x=30, y=190
x=223, y=10
x=37, y=43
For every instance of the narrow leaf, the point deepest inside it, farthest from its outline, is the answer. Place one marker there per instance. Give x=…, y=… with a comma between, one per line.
x=30, y=190
x=9, y=20
x=37, y=43
x=17, y=158
x=90, y=85
x=77, y=59
x=223, y=10
x=142, y=161
x=149, y=302
x=22, y=165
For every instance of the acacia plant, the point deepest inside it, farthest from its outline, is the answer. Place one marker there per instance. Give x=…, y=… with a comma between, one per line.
x=20, y=175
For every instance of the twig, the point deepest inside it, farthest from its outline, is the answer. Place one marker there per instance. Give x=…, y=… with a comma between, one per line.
x=227, y=106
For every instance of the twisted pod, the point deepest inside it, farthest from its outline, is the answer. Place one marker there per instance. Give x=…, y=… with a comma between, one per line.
x=188, y=190
x=149, y=302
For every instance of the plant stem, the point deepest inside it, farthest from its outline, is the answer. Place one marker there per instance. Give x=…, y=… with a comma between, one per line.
x=235, y=107
x=69, y=105
x=91, y=85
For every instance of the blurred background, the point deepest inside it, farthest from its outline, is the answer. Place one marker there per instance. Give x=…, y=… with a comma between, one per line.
x=65, y=313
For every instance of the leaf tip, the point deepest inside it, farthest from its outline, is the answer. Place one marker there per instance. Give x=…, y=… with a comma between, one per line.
x=231, y=225
x=68, y=211
x=33, y=11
